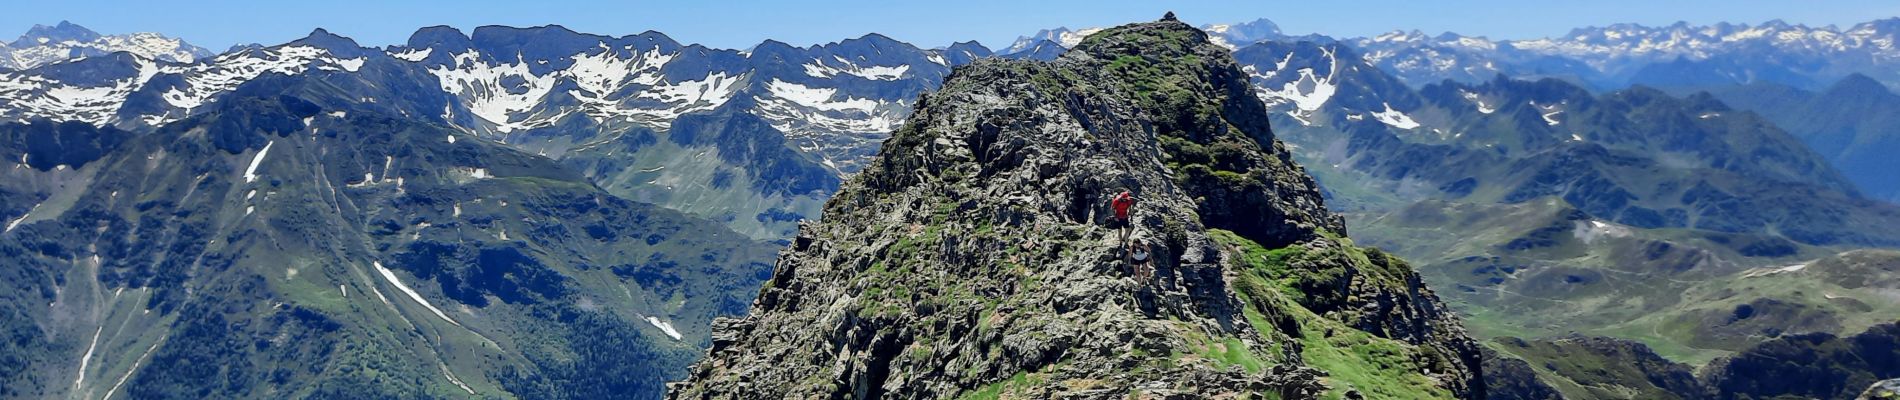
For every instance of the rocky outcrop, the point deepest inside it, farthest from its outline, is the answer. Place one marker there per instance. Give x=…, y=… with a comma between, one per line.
x=1813, y=365
x=1600, y=368
x=1805, y=366
x=1509, y=378
x=972, y=258
x=1882, y=390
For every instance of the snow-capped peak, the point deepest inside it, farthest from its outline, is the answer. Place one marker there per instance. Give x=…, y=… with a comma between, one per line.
x=1242, y=34
x=1063, y=36
x=44, y=45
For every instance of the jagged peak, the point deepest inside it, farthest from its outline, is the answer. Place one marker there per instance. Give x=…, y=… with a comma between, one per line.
x=984, y=213
x=63, y=31
x=1258, y=25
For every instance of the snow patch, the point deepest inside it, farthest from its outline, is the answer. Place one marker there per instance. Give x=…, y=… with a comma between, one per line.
x=135, y=365
x=1307, y=93
x=1395, y=118
x=605, y=72
x=87, y=359
x=1591, y=231
x=1296, y=117
x=1475, y=99
x=451, y=375
x=16, y=222
x=351, y=65
x=664, y=326
x=818, y=98
x=693, y=95
x=250, y=173
x=202, y=81
x=1761, y=272
x=488, y=97
x=391, y=276
x=823, y=69
x=413, y=55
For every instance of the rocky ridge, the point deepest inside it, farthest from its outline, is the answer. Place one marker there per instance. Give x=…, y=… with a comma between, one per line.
x=971, y=259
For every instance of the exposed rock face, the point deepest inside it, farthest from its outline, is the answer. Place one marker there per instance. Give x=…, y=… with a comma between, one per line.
x=1803, y=366
x=972, y=256
x=1507, y=378
x=1600, y=368
x=1813, y=365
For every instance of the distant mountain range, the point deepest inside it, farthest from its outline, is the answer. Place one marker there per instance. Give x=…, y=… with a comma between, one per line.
x=1855, y=122
x=1611, y=57
x=805, y=116
x=50, y=44
x=292, y=240
x=1544, y=208
x=1608, y=57
x=1231, y=36
x=1556, y=196
x=1529, y=181
x=1827, y=85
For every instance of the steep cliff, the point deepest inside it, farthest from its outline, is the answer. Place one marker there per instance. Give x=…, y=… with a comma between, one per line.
x=972, y=258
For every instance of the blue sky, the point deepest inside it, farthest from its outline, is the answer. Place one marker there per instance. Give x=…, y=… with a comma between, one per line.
x=217, y=24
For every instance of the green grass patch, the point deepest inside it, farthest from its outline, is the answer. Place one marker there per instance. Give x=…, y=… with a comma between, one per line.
x=1376, y=367
x=1013, y=385
x=1355, y=360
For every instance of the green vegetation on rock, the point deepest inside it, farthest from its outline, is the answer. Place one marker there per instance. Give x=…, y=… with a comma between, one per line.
x=970, y=259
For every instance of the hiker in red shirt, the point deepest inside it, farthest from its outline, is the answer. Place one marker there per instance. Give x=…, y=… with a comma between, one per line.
x=1122, y=203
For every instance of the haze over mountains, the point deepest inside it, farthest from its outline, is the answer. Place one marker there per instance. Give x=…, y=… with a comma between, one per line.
x=1610, y=57
x=1577, y=184
x=50, y=44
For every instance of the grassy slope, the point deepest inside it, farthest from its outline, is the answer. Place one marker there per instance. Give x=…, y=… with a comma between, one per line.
x=1374, y=366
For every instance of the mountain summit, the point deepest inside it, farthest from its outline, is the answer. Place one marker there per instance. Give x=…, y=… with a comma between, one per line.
x=44, y=45
x=972, y=256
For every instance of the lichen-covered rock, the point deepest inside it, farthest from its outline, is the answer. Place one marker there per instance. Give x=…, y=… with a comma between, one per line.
x=972, y=258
